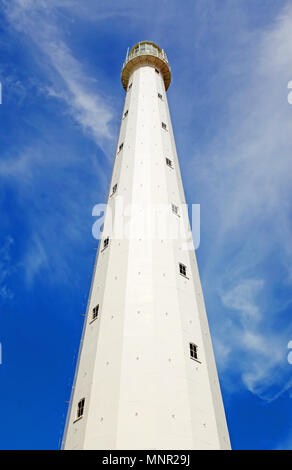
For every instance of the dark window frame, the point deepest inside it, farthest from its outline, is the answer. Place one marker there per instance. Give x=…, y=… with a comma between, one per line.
x=168, y=162
x=174, y=209
x=80, y=408
x=95, y=312
x=183, y=270
x=105, y=243
x=194, y=351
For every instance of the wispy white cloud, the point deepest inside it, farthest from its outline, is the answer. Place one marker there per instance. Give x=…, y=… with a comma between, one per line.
x=255, y=350
x=241, y=298
x=22, y=166
x=33, y=175
x=6, y=268
x=35, y=259
x=70, y=82
x=244, y=178
x=88, y=107
x=29, y=169
x=243, y=173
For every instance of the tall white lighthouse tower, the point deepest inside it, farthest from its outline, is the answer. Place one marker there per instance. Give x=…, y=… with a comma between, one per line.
x=146, y=376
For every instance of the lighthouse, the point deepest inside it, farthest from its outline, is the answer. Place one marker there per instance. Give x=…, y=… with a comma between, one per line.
x=146, y=376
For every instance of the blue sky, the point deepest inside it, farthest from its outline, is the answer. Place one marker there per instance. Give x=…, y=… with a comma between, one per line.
x=61, y=106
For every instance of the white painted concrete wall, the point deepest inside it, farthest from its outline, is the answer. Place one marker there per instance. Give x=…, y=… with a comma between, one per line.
x=141, y=388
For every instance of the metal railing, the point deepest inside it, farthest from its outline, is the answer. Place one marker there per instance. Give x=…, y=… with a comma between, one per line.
x=145, y=49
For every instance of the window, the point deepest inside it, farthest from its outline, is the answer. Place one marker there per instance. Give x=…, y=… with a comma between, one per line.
x=121, y=147
x=159, y=95
x=130, y=86
x=157, y=71
x=105, y=242
x=193, y=351
x=126, y=113
x=115, y=187
x=95, y=312
x=182, y=269
x=174, y=209
x=80, y=408
x=168, y=162
x=163, y=125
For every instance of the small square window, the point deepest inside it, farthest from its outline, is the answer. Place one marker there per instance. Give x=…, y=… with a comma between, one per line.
x=130, y=86
x=126, y=113
x=157, y=71
x=159, y=95
x=163, y=125
x=193, y=351
x=115, y=187
x=182, y=269
x=121, y=147
x=105, y=242
x=174, y=209
x=80, y=408
x=168, y=162
x=95, y=312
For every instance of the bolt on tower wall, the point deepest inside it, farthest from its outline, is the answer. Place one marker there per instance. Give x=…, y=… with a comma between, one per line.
x=146, y=376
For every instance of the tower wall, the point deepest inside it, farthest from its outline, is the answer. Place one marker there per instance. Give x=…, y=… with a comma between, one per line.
x=141, y=388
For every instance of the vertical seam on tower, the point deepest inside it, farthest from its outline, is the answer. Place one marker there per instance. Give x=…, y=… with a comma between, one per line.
x=136, y=83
